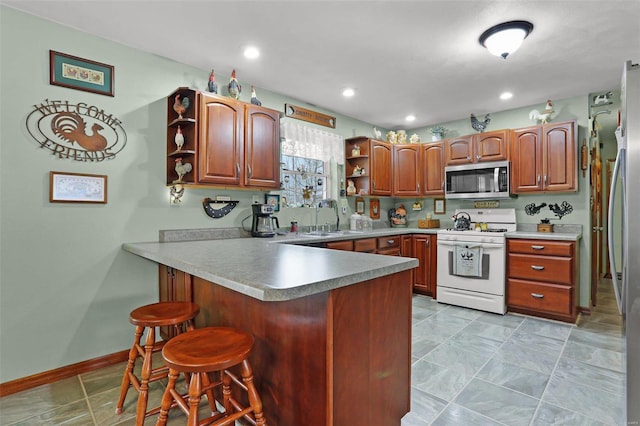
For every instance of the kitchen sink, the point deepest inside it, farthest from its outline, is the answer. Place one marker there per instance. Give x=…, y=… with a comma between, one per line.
x=328, y=233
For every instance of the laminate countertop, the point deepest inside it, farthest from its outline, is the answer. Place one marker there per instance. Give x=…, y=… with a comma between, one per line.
x=278, y=268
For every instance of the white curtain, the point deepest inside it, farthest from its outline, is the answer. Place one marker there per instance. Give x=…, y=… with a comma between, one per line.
x=309, y=142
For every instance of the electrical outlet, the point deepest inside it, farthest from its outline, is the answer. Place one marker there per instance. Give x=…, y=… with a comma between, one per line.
x=344, y=210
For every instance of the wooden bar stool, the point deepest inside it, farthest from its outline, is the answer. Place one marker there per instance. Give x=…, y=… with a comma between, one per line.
x=179, y=315
x=211, y=350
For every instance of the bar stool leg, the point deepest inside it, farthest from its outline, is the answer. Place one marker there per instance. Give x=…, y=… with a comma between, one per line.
x=126, y=381
x=195, y=390
x=167, y=398
x=254, y=397
x=145, y=375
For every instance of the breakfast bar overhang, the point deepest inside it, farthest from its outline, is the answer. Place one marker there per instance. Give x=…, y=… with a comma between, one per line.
x=332, y=329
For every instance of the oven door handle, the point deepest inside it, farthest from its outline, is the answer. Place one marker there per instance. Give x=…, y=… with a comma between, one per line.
x=467, y=243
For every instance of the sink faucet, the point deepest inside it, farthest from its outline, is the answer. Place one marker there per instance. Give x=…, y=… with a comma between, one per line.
x=329, y=203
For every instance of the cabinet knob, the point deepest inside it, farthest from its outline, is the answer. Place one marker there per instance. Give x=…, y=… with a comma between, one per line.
x=469, y=157
x=477, y=156
x=418, y=188
x=238, y=168
x=537, y=267
x=249, y=170
x=537, y=295
x=545, y=180
x=538, y=180
x=391, y=241
x=537, y=247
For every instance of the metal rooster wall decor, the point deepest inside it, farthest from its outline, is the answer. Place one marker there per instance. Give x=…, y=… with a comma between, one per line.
x=559, y=210
x=79, y=132
x=478, y=125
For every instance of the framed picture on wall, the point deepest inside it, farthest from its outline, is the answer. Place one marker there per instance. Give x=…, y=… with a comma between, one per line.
x=439, y=206
x=77, y=188
x=273, y=200
x=80, y=74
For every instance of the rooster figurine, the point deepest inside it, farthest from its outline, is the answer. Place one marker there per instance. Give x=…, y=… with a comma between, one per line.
x=179, y=106
x=234, y=86
x=71, y=127
x=179, y=138
x=182, y=169
x=478, y=125
x=543, y=116
x=212, y=86
x=254, y=98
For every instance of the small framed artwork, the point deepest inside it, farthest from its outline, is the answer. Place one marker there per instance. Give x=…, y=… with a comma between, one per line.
x=77, y=188
x=273, y=200
x=359, y=205
x=439, y=206
x=80, y=74
x=374, y=208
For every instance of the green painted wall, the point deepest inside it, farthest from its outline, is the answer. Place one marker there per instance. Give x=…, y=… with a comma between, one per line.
x=66, y=287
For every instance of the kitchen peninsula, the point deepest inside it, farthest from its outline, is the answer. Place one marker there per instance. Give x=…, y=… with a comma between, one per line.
x=332, y=329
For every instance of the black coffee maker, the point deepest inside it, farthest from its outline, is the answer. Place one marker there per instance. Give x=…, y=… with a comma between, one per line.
x=265, y=224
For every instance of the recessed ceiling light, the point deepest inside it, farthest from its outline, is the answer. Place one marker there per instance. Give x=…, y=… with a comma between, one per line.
x=348, y=92
x=410, y=117
x=506, y=95
x=251, y=52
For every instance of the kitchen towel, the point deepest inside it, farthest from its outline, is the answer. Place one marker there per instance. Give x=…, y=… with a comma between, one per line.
x=467, y=261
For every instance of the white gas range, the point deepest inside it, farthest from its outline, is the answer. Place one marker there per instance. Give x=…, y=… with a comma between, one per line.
x=471, y=259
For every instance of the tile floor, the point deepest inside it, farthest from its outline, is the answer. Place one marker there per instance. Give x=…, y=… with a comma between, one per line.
x=468, y=368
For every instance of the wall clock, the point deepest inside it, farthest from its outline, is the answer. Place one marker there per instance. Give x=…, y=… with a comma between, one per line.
x=223, y=210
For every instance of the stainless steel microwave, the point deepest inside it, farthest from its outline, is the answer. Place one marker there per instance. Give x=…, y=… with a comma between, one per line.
x=478, y=180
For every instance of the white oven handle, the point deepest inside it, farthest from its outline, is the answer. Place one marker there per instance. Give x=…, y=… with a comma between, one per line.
x=472, y=244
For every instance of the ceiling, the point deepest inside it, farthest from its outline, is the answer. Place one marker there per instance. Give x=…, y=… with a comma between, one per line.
x=402, y=57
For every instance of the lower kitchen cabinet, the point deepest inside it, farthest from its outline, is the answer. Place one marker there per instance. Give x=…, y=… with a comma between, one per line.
x=424, y=249
x=542, y=278
x=173, y=286
x=389, y=246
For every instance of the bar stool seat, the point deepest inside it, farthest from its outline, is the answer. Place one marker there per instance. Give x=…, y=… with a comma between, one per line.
x=211, y=350
x=179, y=315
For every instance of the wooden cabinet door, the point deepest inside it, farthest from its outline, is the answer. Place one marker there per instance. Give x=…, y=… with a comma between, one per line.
x=173, y=286
x=262, y=147
x=406, y=246
x=432, y=157
x=406, y=170
x=560, y=168
x=526, y=160
x=421, y=251
x=380, y=157
x=491, y=146
x=459, y=150
x=221, y=140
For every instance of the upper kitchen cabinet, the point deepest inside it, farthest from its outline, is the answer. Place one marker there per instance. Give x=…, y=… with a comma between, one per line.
x=432, y=160
x=486, y=146
x=368, y=165
x=544, y=158
x=231, y=142
x=406, y=170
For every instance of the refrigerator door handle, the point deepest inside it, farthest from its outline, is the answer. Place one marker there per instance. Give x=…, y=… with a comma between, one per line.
x=612, y=259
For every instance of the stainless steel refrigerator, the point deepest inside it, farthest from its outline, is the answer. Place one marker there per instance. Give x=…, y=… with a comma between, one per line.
x=626, y=272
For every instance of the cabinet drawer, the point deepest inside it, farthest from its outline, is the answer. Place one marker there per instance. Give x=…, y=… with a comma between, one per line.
x=552, y=298
x=367, y=245
x=541, y=247
x=340, y=245
x=389, y=242
x=541, y=268
x=390, y=252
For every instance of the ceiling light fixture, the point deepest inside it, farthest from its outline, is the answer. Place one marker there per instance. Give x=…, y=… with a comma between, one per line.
x=506, y=95
x=251, y=52
x=348, y=92
x=410, y=117
x=504, y=39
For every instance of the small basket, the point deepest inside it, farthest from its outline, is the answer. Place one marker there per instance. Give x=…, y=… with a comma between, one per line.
x=429, y=223
x=545, y=227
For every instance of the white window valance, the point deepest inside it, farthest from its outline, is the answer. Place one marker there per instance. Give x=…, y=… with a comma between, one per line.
x=309, y=142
